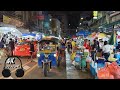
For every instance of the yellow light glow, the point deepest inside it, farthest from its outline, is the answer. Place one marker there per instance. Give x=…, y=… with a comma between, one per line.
x=95, y=13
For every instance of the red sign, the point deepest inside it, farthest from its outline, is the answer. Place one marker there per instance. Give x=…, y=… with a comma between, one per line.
x=40, y=17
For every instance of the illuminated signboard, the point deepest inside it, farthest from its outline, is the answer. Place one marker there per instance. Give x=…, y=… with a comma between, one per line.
x=40, y=17
x=95, y=14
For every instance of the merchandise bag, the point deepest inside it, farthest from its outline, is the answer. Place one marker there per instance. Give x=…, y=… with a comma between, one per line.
x=116, y=70
x=104, y=73
x=88, y=59
x=117, y=74
x=112, y=68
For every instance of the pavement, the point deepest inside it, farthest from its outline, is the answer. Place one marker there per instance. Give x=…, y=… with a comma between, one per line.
x=73, y=73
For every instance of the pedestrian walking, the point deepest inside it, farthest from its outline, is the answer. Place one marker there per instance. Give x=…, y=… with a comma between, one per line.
x=32, y=50
x=11, y=46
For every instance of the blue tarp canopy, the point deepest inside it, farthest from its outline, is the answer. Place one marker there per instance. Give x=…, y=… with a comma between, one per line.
x=30, y=34
x=83, y=32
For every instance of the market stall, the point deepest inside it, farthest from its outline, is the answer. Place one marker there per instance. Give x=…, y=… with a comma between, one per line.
x=31, y=36
x=13, y=31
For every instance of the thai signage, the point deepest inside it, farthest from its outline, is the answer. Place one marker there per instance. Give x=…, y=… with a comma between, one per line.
x=40, y=17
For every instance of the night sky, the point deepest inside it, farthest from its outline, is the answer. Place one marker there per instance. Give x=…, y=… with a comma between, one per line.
x=73, y=17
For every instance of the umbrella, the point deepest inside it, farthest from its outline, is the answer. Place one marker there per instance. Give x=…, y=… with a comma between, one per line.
x=101, y=35
x=97, y=35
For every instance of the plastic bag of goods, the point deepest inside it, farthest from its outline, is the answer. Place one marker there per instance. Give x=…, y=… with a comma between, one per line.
x=88, y=59
x=117, y=74
x=77, y=58
x=112, y=68
x=104, y=73
x=116, y=71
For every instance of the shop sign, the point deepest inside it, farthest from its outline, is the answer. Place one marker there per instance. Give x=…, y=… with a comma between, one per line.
x=95, y=14
x=40, y=17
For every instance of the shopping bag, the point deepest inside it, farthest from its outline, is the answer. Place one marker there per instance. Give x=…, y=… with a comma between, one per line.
x=117, y=73
x=89, y=59
x=104, y=73
x=112, y=68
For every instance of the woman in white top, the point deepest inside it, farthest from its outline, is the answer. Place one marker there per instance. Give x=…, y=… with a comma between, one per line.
x=106, y=50
x=101, y=43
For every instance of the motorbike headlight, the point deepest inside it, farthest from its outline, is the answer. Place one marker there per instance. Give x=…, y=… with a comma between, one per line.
x=55, y=55
x=38, y=55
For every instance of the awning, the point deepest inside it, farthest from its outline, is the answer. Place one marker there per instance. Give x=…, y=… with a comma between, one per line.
x=111, y=24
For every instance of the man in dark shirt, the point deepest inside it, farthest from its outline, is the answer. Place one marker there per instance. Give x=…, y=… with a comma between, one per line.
x=31, y=50
x=11, y=46
x=118, y=46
